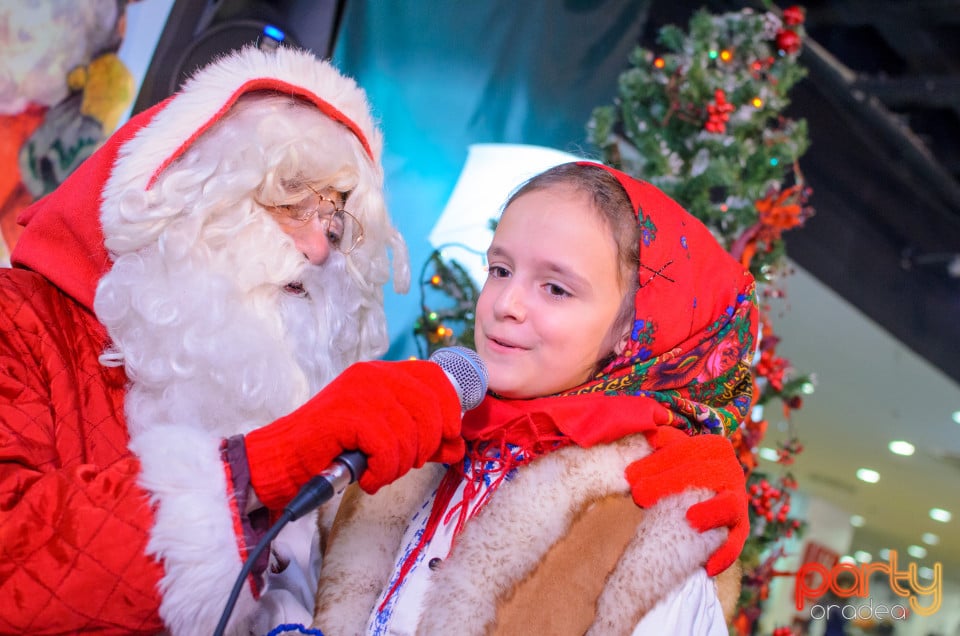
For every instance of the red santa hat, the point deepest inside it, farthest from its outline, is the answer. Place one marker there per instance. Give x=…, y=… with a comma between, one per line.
x=64, y=232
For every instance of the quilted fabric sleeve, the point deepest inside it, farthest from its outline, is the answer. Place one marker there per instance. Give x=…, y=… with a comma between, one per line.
x=73, y=522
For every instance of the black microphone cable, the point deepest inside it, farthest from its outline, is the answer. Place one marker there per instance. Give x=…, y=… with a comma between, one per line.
x=468, y=375
x=344, y=470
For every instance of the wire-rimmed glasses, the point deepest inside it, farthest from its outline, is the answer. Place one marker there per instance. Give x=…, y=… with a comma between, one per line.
x=342, y=228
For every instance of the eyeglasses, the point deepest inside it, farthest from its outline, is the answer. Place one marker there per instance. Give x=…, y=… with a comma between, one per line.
x=343, y=230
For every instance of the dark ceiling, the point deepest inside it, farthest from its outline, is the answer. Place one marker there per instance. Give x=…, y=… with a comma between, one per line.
x=882, y=99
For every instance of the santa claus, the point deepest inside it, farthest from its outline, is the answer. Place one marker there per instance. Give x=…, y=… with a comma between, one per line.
x=173, y=311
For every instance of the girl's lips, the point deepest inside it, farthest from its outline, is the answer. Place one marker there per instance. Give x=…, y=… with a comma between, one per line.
x=503, y=345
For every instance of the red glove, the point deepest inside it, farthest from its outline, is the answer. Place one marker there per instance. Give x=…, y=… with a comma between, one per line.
x=680, y=461
x=399, y=414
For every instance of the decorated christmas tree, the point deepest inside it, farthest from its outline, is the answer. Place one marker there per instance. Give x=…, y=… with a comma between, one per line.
x=703, y=121
x=702, y=118
x=448, y=296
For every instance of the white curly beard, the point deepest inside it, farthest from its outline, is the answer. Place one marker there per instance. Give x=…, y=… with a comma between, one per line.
x=216, y=339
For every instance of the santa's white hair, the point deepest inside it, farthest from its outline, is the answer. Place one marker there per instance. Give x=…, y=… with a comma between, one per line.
x=195, y=301
x=198, y=301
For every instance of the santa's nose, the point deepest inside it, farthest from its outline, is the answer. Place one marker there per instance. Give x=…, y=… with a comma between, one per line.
x=312, y=241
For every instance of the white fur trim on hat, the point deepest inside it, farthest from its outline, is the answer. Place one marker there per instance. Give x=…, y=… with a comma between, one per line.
x=207, y=96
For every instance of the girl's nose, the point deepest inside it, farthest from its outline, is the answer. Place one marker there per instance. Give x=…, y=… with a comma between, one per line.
x=510, y=303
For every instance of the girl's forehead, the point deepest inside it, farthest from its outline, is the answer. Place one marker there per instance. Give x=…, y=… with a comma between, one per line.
x=557, y=221
x=542, y=227
x=553, y=204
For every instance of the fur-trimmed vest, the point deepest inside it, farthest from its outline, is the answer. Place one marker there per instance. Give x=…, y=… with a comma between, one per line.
x=561, y=547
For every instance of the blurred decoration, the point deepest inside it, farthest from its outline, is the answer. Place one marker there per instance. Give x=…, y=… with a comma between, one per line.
x=703, y=121
x=453, y=323
x=63, y=91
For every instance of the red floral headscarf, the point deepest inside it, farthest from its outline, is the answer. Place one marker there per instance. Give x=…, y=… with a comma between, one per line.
x=687, y=363
x=695, y=319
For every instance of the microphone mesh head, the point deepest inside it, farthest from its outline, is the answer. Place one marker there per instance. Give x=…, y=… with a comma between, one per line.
x=466, y=371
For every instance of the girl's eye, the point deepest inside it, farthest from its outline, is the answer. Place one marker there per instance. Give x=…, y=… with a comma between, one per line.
x=496, y=271
x=556, y=290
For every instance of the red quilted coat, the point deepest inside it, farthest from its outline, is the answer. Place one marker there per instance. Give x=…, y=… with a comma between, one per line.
x=74, y=524
x=70, y=508
x=81, y=515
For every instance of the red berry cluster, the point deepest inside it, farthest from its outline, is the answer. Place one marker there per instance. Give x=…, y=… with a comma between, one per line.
x=772, y=367
x=773, y=504
x=718, y=113
x=787, y=452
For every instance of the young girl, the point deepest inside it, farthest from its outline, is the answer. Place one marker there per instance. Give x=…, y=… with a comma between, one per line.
x=612, y=324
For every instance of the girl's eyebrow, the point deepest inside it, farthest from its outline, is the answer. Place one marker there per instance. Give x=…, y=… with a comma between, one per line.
x=566, y=273
x=548, y=266
x=495, y=250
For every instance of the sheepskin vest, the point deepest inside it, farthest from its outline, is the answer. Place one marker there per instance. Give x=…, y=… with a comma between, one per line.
x=561, y=548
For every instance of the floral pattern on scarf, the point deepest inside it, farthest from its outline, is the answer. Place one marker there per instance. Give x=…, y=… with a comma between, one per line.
x=695, y=322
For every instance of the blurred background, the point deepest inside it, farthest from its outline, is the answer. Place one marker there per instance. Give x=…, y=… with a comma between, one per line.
x=866, y=309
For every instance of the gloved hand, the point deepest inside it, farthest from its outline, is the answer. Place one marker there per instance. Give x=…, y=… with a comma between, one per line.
x=680, y=461
x=399, y=414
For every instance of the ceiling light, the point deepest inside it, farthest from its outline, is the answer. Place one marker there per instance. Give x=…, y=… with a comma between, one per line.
x=768, y=453
x=868, y=475
x=956, y=417
x=939, y=514
x=862, y=557
x=931, y=539
x=857, y=521
x=846, y=558
x=925, y=573
x=953, y=267
x=885, y=554
x=900, y=447
x=917, y=551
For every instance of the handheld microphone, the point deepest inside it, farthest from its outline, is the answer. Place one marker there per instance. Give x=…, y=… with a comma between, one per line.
x=469, y=378
x=466, y=373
